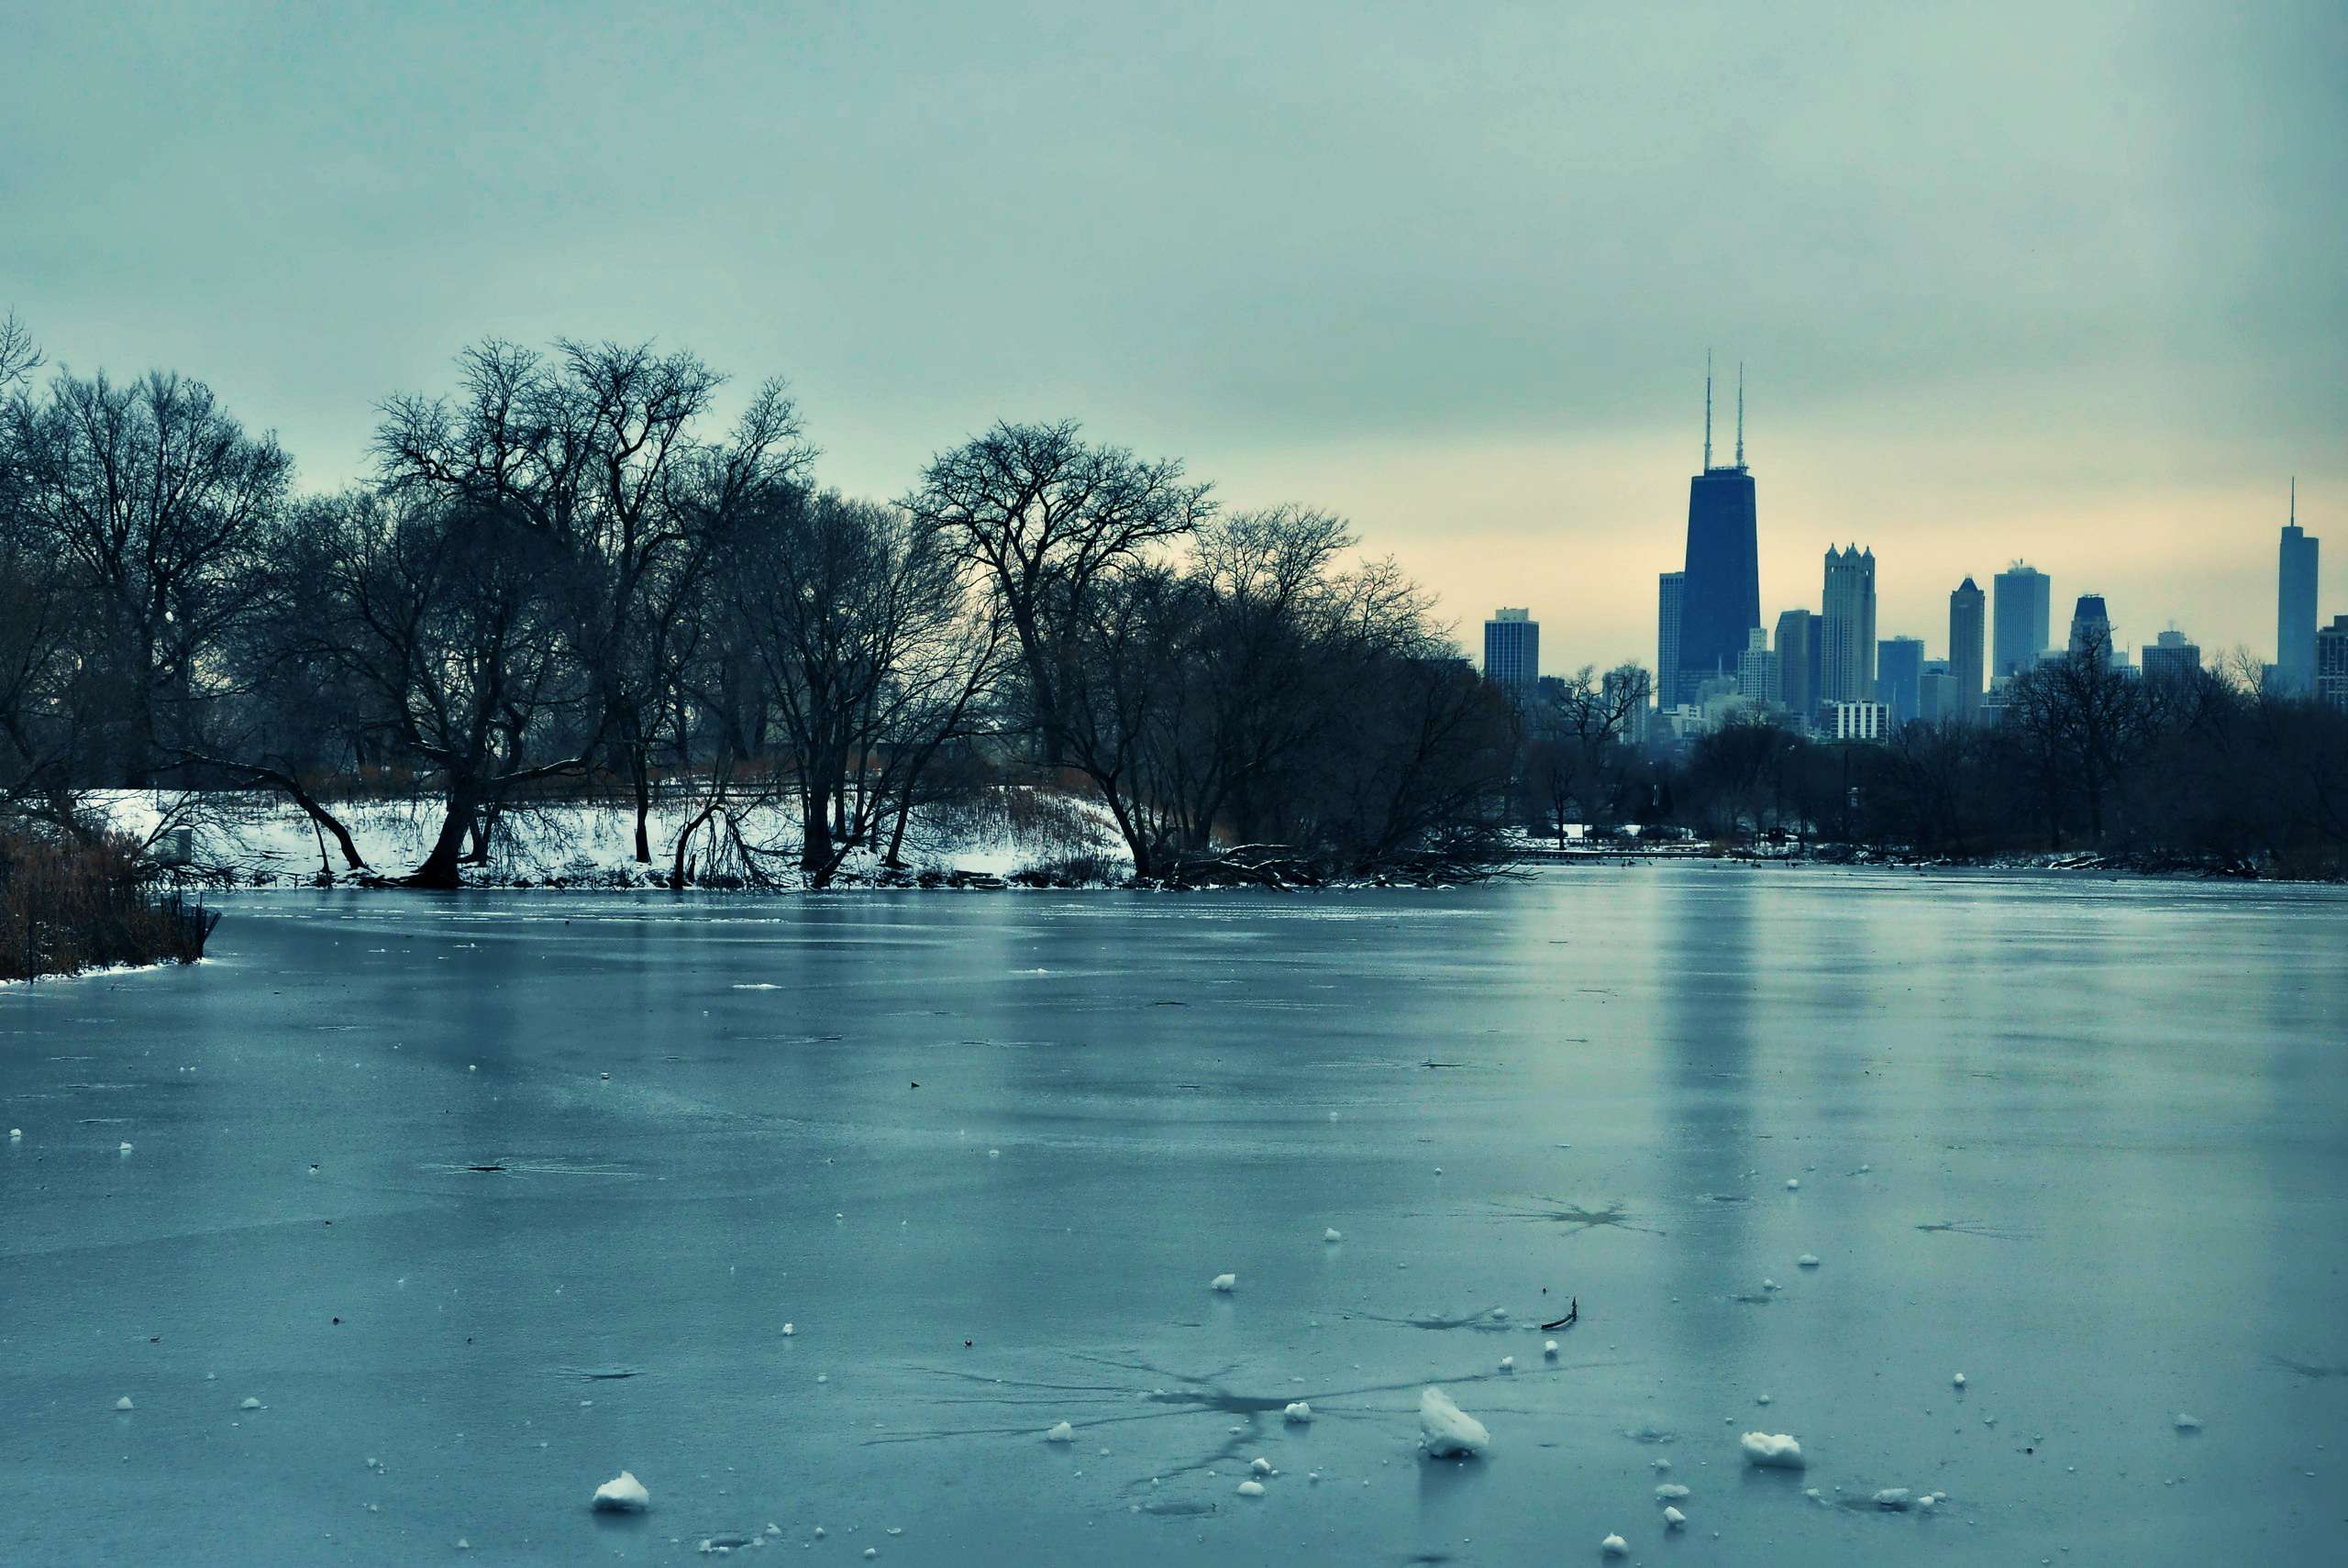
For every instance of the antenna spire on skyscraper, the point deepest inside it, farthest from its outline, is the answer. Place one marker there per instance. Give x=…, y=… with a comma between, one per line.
x=1707, y=411
x=1740, y=414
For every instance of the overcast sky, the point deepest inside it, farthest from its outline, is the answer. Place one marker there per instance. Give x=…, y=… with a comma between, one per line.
x=2063, y=282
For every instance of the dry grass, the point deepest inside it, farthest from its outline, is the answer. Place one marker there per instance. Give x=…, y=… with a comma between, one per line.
x=67, y=907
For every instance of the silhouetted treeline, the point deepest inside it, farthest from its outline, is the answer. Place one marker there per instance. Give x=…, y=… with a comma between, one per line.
x=2203, y=769
x=564, y=579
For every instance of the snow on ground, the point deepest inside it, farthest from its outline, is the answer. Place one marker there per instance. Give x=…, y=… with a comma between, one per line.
x=261, y=838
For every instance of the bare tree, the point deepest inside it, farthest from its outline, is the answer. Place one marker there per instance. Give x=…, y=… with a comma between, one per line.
x=450, y=619
x=861, y=623
x=594, y=451
x=1051, y=524
x=154, y=501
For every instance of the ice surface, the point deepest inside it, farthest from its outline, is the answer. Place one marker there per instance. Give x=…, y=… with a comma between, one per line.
x=623, y=1493
x=1702, y=1023
x=1445, y=1430
x=1772, y=1453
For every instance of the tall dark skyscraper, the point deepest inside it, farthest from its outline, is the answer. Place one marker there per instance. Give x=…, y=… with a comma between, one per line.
x=1964, y=627
x=1797, y=651
x=2091, y=629
x=2022, y=612
x=1721, y=600
x=1671, y=593
x=2295, y=607
x=1900, y=670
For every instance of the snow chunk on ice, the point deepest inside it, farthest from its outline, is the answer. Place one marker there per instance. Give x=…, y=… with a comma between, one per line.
x=1957, y=1381
x=1772, y=1453
x=1261, y=1467
x=788, y=1330
x=1893, y=1499
x=1061, y=1434
x=1224, y=1282
x=1614, y=1546
x=1792, y=1183
x=2188, y=1423
x=1549, y=1348
x=1445, y=1429
x=1332, y=1235
x=1808, y=1260
x=1673, y=1518
x=1251, y=1488
x=624, y=1493
x=123, y=1403
x=1507, y=1363
x=1670, y=1492
x=255, y=1405
x=1299, y=1412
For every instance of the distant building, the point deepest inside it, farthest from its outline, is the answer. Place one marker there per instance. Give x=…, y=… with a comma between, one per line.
x=1669, y=600
x=2332, y=663
x=1797, y=651
x=1937, y=695
x=1625, y=690
x=2023, y=600
x=1757, y=669
x=2295, y=616
x=1512, y=653
x=2170, y=658
x=1721, y=599
x=1861, y=720
x=1846, y=665
x=1966, y=610
x=2091, y=628
x=1899, y=665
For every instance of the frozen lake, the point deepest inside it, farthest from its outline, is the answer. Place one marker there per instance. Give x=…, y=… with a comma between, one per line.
x=2085, y=1141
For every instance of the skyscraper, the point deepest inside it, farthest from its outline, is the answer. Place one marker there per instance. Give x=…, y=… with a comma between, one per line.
x=2331, y=664
x=2170, y=659
x=1846, y=665
x=1671, y=597
x=1965, y=614
x=1723, y=594
x=1899, y=666
x=2091, y=629
x=1756, y=669
x=2024, y=601
x=2295, y=607
x=1797, y=662
x=1512, y=652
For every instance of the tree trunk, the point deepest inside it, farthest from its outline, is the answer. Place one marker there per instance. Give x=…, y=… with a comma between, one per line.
x=643, y=772
x=439, y=868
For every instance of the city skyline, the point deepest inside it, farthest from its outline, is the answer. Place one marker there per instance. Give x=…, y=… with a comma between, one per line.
x=2077, y=302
